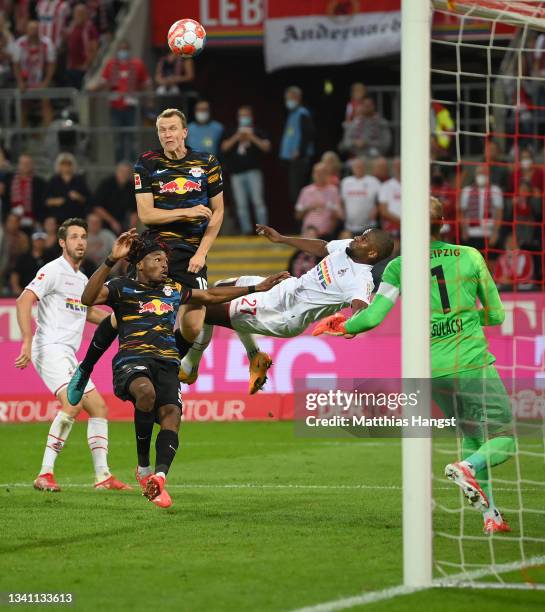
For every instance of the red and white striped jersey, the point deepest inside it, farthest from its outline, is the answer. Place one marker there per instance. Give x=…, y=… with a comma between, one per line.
x=53, y=18
x=32, y=58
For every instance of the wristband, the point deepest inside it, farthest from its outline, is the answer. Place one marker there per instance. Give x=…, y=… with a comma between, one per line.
x=251, y=289
x=109, y=262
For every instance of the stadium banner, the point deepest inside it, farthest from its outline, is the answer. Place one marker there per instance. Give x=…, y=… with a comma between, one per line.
x=227, y=22
x=239, y=23
x=320, y=32
x=220, y=393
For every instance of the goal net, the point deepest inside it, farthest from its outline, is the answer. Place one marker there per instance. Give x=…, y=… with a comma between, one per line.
x=488, y=168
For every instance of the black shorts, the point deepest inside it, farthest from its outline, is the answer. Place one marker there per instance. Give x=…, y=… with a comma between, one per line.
x=177, y=270
x=163, y=375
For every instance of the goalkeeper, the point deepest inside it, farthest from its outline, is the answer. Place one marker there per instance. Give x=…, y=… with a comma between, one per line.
x=465, y=384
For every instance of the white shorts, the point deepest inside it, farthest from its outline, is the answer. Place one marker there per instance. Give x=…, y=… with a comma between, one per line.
x=55, y=363
x=261, y=313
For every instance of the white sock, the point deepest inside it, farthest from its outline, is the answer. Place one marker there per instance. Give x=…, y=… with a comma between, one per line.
x=58, y=433
x=162, y=474
x=248, y=340
x=190, y=363
x=97, y=438
x=144, y=471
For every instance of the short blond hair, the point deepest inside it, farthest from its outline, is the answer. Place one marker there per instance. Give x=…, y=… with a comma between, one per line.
x=63, y=158
x=172, y=112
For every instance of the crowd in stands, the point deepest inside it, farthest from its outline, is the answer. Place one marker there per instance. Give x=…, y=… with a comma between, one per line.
x=33, y=208
x=494, y=202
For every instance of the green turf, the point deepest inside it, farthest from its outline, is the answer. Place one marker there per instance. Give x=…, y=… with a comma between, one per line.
x=262, y=520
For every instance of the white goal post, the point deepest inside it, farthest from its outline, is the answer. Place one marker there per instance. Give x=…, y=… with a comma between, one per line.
x=416, y=71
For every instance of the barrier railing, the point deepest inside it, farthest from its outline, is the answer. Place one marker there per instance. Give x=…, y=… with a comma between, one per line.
x=93, y=137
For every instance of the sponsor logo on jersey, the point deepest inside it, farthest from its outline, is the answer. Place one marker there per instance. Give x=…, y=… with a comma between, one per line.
x=196, y=172
x=137, y=182
x=75, y=305
x=40, y=276
x=156, y=307
x=180, y=185
x=324, y=277
x=342, y=271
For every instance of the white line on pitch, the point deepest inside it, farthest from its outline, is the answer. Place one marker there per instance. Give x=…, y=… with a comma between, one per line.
x=468, y=579
x=248, y=485
x=251, y=485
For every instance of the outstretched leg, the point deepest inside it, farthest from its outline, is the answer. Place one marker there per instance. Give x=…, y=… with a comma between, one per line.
x=103, y=337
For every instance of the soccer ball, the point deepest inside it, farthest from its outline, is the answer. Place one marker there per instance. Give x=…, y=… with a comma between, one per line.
x=186, y=37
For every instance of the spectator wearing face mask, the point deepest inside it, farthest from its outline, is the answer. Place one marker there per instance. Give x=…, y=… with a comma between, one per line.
x=244, y=148
x=297, y=145
x=526, y=171
x=514, y=269
x=124, y=76
x=481, y=207
x=204, y=134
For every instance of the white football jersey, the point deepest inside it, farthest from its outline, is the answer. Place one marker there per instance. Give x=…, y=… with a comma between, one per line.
x=322, y=291
x=61, y=315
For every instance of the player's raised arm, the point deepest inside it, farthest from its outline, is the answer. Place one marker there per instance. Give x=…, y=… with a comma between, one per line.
x=148, y=214
x=492, y=312
x=95, y=291
x=313, y=246
x=219, y=295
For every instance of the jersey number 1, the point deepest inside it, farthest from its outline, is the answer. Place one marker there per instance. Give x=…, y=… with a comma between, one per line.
x=439, y=274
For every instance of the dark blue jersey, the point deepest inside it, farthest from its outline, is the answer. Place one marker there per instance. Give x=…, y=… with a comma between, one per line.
x=179, y=183
x=145, y=317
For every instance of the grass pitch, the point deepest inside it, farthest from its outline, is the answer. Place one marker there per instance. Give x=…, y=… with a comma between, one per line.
x=262, y=520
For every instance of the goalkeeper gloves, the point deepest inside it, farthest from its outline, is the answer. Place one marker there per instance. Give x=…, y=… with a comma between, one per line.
x=331, y=326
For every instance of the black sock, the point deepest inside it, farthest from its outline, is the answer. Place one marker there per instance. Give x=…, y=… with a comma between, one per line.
x=143, y=428
x=102, y=339
x=182, y=344
x=166, y=446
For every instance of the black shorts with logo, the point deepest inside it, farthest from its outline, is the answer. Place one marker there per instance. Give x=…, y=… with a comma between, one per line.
x=177, y=270
x=163, y=375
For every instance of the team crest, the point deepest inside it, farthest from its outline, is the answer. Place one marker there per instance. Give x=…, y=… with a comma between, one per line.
x=167, y=291
x=196, y=172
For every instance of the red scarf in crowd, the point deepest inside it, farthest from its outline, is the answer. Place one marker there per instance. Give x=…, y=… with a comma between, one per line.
x=473, y=206
x=21, y=194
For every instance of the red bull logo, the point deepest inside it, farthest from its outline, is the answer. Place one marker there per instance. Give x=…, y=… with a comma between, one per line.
x=180, y=186
x=155, y=307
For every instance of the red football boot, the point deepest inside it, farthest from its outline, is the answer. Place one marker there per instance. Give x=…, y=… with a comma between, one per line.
x=112, y=484
x=464, y=477
x=156, y=492
x=142, y=480
x=495, y=523
x=46, y=482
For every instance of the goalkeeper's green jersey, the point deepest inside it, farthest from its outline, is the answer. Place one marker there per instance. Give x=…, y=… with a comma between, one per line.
x=458, y=276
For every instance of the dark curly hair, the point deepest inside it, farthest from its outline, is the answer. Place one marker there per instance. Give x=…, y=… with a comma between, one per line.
x=144, y=245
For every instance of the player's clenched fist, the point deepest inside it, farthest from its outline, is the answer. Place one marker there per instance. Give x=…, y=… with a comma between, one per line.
x=271, y=281
x=199, y=212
